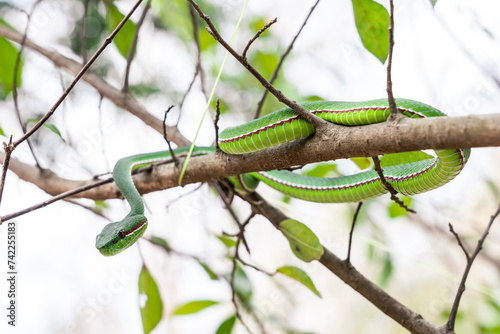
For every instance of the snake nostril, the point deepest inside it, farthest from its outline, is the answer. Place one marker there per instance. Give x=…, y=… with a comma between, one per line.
x=122, y=234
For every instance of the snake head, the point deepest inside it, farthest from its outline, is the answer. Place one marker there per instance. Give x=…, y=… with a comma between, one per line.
x=116, y=237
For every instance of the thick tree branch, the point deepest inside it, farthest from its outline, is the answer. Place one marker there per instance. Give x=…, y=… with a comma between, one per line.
x=343, y=142
x=410, y=320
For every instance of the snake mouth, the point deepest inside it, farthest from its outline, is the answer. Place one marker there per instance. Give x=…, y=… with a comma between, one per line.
x=124, y=233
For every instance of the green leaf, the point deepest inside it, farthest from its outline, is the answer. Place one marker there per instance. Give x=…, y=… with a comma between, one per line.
x=265, y=62
x=387, y=271
x=95, y=27
x=433, y=2
x=227, y=326
x=362, y=163
x=123, y=40
x=160, y=242
x=152, y=310
x=193, y=307
x=395, y=210
x=49, y=126
x=372, y=22
x=242, y=285
x=100, y=205
x=393, y=159
x=213, y=276
x=322, y=170
x=493, y=188
x=8, y=57
x=2, y=133
x=228, y=242
x=207, y=41
x=300, y=276
x=303, y=242
x=144, y=89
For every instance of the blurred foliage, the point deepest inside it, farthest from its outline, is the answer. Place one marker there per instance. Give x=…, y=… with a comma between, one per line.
x=152, y=310
x=300, y=276
x=226, y=327
x=372, y=22
x=193, y=307
x=303, y=242
x=8, y=58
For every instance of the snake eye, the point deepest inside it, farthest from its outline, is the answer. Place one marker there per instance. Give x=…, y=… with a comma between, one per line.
x=122, y=234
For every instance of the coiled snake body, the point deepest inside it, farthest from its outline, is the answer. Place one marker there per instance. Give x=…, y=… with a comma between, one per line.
x=282, y=126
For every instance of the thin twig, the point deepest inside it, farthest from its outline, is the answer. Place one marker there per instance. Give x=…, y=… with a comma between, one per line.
x=83, y=32
x=388, y=186
x=14, y=81
x=133, y=45
x=390, y=96
x=216, y=125
x=55, y=199
x=462, y=246
x=198, y=68
x=257, y=35
x=236, y=257
x=241, y=226
x=450, y=325
x=282, y=59
x=410, y=320
x=308, y=116
x=348, y=259
x=178, y=198
x=176, y=161
x=91, y=209
x=77, y=78
x=8, y=148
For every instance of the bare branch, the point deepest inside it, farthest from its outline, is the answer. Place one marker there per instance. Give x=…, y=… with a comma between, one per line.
x=348, y=259
x=115, y=95
x=308, y=116
x=8, y=148
x=388, y=186
x=390, y=96
x=55, y=199
x=77, y=78
x=83, y=39
x=457, y=237
x=282, y=60
x=14, y=81
x=166, y=137
x=257, y=35
x=450, y=325
x=410, y=320
x=216, y=123
x=135, y=39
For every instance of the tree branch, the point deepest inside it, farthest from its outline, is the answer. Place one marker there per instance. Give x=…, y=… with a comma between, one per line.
x=341, y=142
x=410, y=320
x=313, y=119
x=119, y=98
x=450, y=325
x=282, y=60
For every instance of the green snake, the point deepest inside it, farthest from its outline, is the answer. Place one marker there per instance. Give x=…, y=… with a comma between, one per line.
x=283, y=126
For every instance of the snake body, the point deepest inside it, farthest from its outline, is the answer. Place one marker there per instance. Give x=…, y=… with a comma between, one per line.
x=282, y=126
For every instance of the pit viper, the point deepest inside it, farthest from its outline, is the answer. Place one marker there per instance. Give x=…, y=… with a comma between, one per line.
x=282, y=126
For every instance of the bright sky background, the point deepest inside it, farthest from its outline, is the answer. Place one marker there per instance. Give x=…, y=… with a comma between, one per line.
x=444, y=57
